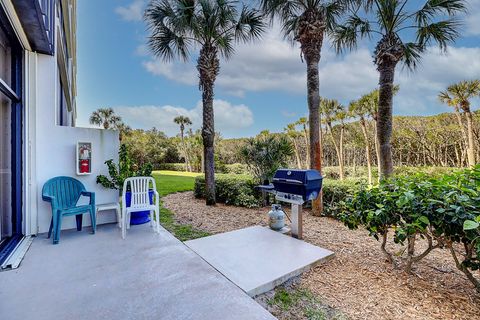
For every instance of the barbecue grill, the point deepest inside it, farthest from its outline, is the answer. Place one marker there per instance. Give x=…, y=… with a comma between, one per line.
x=295, y=187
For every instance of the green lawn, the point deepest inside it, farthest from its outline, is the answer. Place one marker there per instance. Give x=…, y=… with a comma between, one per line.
x=170, y=182
x=174, y=181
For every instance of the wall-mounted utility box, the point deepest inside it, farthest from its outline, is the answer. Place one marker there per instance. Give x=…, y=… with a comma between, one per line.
x=84, y=158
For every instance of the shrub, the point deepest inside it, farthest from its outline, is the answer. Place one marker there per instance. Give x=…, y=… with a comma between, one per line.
x=126, y=168
x=443, y=210
x=172, y=166
x=266, y=153
x=237, y=190
x=332, y=172
x=236, y=168
x=336, y=191
x=429, y=170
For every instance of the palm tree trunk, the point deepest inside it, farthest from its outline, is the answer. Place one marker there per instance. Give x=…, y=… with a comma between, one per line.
x=208, y=67
x=184, y=149
x=337, y=151
x=367, y=149
x=305, y=135
x=313, y=99
x=384, y=121
x=297, y=154
x=208, y=135
x=461, y=125
x=342, y=154
x=471, y=142
x=377, y=146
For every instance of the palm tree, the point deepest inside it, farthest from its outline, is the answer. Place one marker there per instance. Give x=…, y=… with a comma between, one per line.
x=179, y=26
x=335, y=112
x=459, y=95
x=303, y=122
x=370, y=101
x=307, y=22
x=123, y=129
x=448, y=99
x=403, y=35
x=184, y=121
x=361, y=109
x=293, y=134
x=106, y=118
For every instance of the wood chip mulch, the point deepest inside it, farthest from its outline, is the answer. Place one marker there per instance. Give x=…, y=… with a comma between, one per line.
x=358, y=281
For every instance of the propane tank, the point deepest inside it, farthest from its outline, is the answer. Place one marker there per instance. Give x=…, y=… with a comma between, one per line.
x=276, y=217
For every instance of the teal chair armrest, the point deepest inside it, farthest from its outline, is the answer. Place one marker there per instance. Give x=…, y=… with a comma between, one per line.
x=91, y=195
x=52, y=201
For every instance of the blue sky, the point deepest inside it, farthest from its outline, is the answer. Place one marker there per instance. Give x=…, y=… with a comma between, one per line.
x=261, y=87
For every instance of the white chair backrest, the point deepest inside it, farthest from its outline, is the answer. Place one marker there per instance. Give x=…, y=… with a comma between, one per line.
x=139, y=188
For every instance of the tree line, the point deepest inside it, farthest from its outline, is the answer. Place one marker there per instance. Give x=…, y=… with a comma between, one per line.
x=401, y=34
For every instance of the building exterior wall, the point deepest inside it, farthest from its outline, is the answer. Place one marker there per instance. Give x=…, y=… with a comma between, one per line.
x=49, y=144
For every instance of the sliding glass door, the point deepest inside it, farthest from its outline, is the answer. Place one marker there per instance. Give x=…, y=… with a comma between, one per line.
x=10, y=138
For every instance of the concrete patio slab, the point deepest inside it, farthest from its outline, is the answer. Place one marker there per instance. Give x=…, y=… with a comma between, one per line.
x=101, y=276
x=258, y=259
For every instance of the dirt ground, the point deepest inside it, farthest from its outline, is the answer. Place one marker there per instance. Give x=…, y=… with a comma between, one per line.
x=358, y=281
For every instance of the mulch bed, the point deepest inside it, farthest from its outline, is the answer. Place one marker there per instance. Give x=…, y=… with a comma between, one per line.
x=358, y=281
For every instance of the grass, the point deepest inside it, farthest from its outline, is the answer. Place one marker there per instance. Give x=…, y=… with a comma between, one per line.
x=302, y=302
x=174, y=181
x=169, y=182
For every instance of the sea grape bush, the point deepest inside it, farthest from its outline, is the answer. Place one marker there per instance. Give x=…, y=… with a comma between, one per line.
x=443, y=210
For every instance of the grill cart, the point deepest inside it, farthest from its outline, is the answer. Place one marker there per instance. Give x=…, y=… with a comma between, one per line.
x=295, y=187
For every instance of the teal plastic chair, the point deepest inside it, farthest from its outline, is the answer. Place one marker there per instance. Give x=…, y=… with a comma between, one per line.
x=63, y=194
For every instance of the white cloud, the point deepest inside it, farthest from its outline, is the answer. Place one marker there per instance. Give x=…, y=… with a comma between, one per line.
x=419, y=90
x=132, y=12
x=473, y=18
x=179, y=72
x=229, y=119
x=274, y=65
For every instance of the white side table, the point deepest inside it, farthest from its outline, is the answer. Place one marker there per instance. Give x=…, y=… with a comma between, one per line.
x=110, y=206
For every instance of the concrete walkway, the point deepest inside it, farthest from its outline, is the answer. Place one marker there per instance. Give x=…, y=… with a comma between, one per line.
x=101, y=276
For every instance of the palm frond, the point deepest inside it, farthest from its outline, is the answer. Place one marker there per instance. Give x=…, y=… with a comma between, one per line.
x=412, y=54
x=441, y=32
x=169, y=28
x=346, y=36
x=250, y=25
x=433, y=8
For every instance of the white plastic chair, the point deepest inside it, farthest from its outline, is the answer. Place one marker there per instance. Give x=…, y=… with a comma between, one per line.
x=140, y=201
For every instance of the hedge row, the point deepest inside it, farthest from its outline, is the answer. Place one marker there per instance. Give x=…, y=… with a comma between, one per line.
x=237, y=190
x=172, y=166
x=332, y=172
x=235, y=168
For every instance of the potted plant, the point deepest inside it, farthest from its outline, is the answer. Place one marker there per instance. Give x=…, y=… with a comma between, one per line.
x=117, y=175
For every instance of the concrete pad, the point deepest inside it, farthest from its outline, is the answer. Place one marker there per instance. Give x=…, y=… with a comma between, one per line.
x=101, y=276
x=258, y=259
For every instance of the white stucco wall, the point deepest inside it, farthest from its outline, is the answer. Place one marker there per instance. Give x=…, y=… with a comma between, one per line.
x=53, y=150
x=57, y=158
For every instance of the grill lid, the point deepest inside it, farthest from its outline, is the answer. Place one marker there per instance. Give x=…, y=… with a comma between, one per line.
x=299, y=177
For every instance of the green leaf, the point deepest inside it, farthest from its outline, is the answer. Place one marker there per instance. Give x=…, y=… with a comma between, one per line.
x=470, y=225
x=424, y=220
